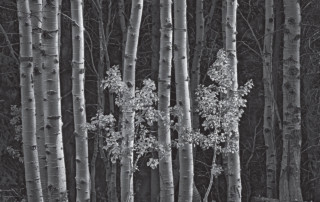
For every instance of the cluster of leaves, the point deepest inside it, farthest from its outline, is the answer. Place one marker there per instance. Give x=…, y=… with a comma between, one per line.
x=15, y=121
x=221, y=105
x=143, y=104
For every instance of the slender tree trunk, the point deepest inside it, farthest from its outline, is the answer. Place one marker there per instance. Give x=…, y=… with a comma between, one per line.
x=234, y=178
x=79, y=108
x=195, y=69
x=36, y=20
x=269, y=103
x=289, y=185
x=123, y=28
x=30, y=150
x=183, y=99
x=126, y=175
x=57, y=189
x=164, y=84
x=155, y=44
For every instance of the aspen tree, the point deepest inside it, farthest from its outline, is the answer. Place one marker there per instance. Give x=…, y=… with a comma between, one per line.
x=154, y=180
x=164, y=83
x=30, y=150
x=195, y=69
x=57, y=188
x=126, y=175
x=183, y=99
x=289, y=184
x=79, y=108
x=234, y=178
x=269, y=102
x=36, y=20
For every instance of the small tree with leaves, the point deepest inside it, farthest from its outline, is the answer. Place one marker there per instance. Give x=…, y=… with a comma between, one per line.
x=221, y=107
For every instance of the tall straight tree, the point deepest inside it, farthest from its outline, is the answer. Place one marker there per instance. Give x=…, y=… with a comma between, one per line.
x=289, y=185
x=195, y=69
x=36, y=20
x=234, y=178
x=30, y=151
x=79, y=108
x=269, y=102
x=126, y=173
x=183, y=99
x=57, y=188
x=164, y=83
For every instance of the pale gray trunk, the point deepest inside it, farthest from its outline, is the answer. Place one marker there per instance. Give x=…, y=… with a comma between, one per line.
x=183, y=99
x=289, y=185
x=28, y=108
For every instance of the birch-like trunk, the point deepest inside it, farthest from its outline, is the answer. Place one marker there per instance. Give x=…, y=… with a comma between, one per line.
x=123, y=27
x=289, y=185
x=269, y=103
x=126, y=175
x=183, y=99
x=36, y=20
x=79, y=108
x=234, y=178
x=57, y=188
x=30, y=150
x=164, y=85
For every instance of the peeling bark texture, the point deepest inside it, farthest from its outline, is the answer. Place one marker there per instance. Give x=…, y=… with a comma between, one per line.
x=289, y=185
x=79, y=108
x=164, y=84
x=28, y=108
x=183, y=99
x=269, y=103
x=36, y=20
x=57, y=188
x=234, y=177
x=126, y=175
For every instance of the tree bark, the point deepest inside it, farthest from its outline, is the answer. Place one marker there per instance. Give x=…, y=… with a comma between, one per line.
x=183, y=99
x=195, y=69
x=269, y=103
x=28, y=110
x=79, y=108
x=164, y=85
x=289, y=185
x=155, y=45
x=126, y=175
x=36, y=20
x=234, y=177
x=57, y=189
x=123, y=26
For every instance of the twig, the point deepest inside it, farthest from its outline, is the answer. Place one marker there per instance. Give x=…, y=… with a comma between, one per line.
x=12, y=52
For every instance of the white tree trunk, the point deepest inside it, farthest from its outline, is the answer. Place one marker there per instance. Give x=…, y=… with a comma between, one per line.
x=30, y=150
x=79, y=108
x=57, y=188
x=234, y=177
x=183, y=99
x=126, y=175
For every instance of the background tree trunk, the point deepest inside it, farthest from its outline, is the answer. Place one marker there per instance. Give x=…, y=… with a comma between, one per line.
x=28, y=108
x=289, y=185
x=128, y=113
x=183, y=99
x=57, y=188
x=269, y=103
x=79, y=108
x=36, y=20
x=234, y=176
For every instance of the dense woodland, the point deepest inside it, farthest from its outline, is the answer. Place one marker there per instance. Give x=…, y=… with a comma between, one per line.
x=160, y=100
